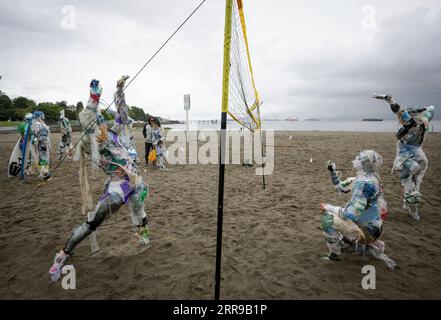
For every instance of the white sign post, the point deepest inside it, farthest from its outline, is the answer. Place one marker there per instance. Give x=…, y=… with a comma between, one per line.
x=187, y=108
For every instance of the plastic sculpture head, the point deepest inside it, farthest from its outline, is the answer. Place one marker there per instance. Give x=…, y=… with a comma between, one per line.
x=39, y=115
x=422, y=114
x=430, y=112
x=121, y=82
x=94, y=83
x=368, y=161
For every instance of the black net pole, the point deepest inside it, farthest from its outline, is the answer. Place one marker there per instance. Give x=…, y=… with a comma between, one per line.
x=220, y=206
x=225, y=96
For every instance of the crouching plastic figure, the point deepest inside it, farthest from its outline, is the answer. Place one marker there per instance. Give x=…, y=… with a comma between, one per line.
x=358, y=225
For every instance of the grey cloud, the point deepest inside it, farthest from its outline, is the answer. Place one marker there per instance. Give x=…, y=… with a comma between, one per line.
x=405, y=60
x=303, y=66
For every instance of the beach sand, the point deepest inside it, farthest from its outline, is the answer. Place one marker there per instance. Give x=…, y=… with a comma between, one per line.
x=271, y=242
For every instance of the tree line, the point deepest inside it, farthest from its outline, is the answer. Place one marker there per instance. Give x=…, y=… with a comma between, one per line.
x=15, y=110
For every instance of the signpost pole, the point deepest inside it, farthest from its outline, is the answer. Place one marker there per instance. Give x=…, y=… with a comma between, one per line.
x=187, y=108
x=188, y=125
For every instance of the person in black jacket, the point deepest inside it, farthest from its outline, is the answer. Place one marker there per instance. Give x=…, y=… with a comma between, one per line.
x=147, y=133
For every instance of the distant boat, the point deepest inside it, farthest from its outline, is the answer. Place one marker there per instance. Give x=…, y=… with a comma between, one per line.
x=372, y=119
x=292, y=119
x=312, y=119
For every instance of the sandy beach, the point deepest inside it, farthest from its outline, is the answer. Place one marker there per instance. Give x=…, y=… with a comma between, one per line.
x=271, y=239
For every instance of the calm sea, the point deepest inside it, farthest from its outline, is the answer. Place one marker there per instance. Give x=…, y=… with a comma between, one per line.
x=360, y=126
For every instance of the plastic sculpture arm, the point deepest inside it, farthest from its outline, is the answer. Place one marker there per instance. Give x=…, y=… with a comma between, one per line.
x=341, y=186
x=395, y=107
x=120, y=101
x=403, y=115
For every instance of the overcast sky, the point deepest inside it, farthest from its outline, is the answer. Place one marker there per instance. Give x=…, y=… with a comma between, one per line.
x=310, y=58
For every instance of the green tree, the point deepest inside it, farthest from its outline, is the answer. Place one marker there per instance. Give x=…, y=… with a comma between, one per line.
x=6, y=107
x=51, y=111
x=21, y=106
x=5, y=102
x=19, y=114
x=23, y=103
x=62, y=104
x=70, y=113
x=137, y=114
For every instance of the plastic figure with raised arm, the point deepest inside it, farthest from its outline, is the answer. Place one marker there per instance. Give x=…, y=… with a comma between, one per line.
x=124, y=186
x=410, y=159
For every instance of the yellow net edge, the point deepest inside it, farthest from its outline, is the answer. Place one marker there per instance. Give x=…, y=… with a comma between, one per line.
x=256, y=104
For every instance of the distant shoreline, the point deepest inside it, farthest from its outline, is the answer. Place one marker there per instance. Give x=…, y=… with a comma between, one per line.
x=282, y=125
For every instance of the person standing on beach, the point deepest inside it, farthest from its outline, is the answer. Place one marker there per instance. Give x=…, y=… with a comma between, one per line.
x=410, y=159
x=124, y=185
x=147, y=133
x=359, y=224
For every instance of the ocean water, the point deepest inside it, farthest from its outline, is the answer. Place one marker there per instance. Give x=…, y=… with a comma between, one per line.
x=282, y=125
